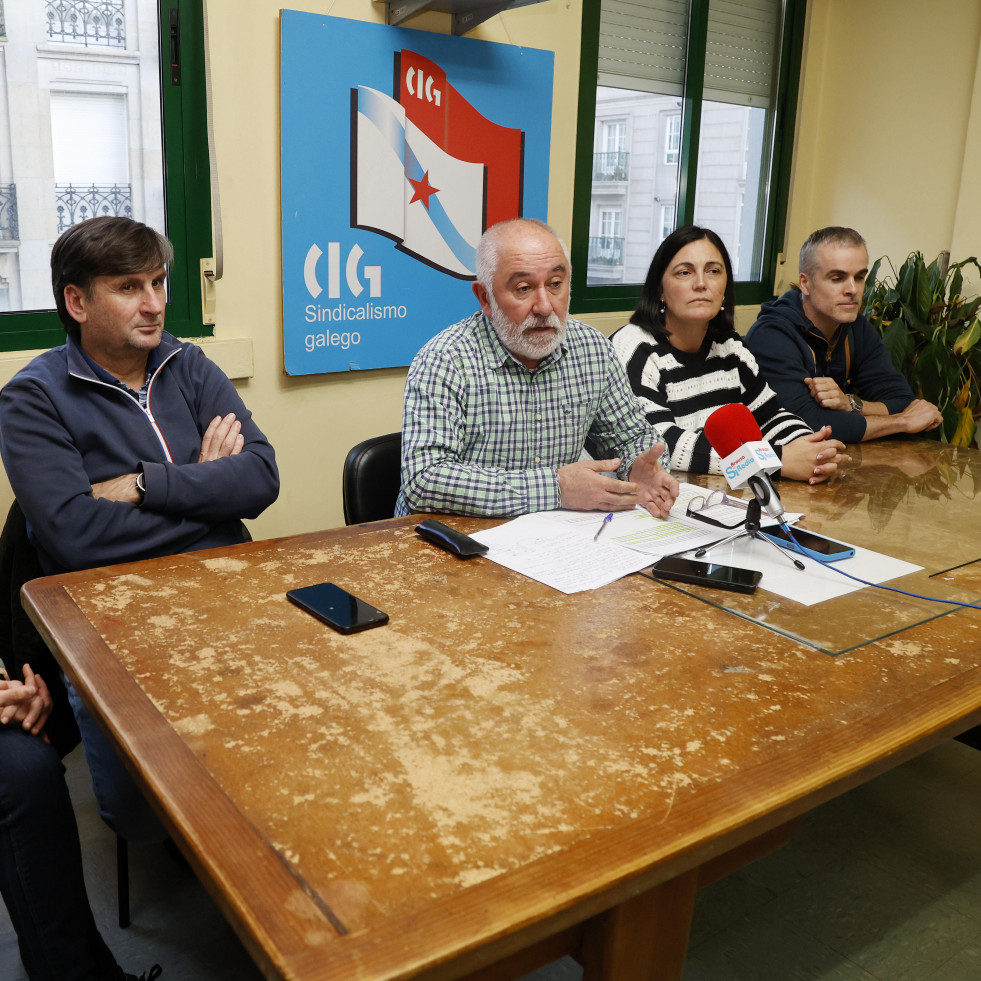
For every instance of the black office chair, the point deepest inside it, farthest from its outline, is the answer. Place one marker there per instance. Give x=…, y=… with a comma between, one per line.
x=371, y=479
x=20, y=644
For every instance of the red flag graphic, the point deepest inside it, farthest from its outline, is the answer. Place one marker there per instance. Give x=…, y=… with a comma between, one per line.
x=455, y=126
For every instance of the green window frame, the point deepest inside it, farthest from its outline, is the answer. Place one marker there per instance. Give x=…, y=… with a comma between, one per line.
x=187, y=185
x=603, y=298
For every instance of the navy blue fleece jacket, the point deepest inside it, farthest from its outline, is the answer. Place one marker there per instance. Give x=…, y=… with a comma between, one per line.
x=788, y=348
x=63, y=429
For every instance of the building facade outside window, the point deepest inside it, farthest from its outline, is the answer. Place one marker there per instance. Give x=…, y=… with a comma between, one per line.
x=703, y=87
x=83, y=101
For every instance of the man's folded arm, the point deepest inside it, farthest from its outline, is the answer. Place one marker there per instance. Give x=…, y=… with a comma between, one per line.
x=876, y=378
x=240, y=486
x=784, y=370
x=233, y=487
x=75, y=529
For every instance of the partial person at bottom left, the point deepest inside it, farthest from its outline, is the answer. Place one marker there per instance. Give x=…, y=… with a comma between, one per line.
x=40, y=857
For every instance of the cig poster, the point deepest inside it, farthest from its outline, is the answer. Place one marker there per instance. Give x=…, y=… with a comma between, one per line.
x=399, y=148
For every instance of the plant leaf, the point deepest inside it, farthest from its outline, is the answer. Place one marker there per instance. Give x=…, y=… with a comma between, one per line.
x=906, y=280
x=914, y=321
x=968, y=339
x=899, y=343
x=871, y=295
x=956, y=284
x=970, y=309
x=933, y=376
x=926, y=286
x=965, y=429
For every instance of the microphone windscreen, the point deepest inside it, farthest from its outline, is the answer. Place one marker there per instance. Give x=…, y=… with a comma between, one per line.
x=729, y=427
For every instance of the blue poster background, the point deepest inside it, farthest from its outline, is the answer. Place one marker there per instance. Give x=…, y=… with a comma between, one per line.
x=323, y=59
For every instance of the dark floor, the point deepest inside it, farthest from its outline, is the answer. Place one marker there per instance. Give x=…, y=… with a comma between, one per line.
x=883, y=884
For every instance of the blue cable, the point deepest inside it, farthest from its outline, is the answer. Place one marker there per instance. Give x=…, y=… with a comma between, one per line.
x=892, y=589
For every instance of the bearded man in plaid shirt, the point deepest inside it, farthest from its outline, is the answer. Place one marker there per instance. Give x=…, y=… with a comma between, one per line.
x=499, y=407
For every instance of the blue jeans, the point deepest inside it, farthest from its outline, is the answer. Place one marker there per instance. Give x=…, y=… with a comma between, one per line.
x=41, y=867
x=120, y=802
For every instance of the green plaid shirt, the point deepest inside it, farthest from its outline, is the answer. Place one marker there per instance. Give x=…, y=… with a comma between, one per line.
x=483, y=435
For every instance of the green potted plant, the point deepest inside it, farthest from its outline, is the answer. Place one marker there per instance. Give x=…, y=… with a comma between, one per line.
x=932, y=331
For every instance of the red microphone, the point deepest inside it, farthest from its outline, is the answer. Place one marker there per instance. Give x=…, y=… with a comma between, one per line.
x=731, y=426
x=746, y=458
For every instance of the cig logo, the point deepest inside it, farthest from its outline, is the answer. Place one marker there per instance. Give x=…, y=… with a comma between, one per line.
x=372, y=274
x=422, y=85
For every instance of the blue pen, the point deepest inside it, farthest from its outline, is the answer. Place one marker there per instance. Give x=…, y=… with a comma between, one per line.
x=604, y=523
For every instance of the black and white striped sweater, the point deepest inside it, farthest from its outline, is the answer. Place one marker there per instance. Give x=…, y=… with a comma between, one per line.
x=679, y=391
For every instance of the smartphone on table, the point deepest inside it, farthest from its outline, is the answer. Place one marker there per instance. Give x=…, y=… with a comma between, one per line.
x=707, y=574
x=808, y=543
x=337, y=607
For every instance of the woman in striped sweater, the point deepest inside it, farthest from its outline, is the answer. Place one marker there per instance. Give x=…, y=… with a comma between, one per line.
x=684, y=359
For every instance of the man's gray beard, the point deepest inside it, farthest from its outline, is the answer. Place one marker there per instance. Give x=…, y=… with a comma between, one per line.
x=530, y=346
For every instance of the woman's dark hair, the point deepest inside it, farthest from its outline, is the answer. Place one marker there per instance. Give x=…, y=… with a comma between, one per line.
x=648, y=314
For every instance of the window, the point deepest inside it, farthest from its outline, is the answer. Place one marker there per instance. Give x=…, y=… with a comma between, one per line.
x=611, y=162
x=614, y=136
x=606, y=245
x=610, y=222
x=672, y=138
x=117, y=130
x=708, y=90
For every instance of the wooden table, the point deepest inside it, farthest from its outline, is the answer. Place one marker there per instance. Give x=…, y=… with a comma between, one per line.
x=504, y=772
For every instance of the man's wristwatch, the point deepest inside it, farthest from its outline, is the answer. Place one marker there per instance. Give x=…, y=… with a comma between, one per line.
x=141, y=486
x=856, y=403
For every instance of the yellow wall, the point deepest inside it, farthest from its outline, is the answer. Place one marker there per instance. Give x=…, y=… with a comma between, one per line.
x=966, y=239
x=884, y=125
x=889, y=140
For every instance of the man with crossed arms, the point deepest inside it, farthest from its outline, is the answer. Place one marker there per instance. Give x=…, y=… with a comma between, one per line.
x=125, y=443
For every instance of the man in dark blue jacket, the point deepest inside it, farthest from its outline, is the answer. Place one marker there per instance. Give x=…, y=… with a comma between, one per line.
x=824, y=360
x=125, y=443
x=122, y=444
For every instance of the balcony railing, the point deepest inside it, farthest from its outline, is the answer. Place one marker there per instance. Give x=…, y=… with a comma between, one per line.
x=88, y=22
x=605, y=250
x=611, y=166
x=9, y=230
x=76, y=202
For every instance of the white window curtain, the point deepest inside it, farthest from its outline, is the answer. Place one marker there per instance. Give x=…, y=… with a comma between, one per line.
x=89, y=138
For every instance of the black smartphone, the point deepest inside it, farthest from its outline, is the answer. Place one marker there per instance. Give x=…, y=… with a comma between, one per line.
x=707, y=574
x=813, y=546
x=337, y=607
